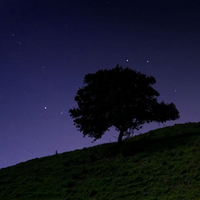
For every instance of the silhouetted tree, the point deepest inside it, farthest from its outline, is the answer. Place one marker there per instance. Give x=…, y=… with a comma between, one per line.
x=119, y=97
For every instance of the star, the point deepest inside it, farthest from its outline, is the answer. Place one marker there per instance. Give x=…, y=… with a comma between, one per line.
x=45, y=107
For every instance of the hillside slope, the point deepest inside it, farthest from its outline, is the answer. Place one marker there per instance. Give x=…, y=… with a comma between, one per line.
x=161, y=164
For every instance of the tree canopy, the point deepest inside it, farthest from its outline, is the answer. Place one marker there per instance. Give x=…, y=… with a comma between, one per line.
x=120, y=97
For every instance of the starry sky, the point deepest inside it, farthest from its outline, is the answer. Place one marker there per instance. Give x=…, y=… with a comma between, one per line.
x=46, y=48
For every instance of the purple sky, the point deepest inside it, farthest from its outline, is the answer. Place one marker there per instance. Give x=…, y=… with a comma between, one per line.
x=46, y=48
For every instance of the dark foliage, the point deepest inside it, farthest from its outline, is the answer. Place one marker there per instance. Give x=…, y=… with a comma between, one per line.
x=120, y=97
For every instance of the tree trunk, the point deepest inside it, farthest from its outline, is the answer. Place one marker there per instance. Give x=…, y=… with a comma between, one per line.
x=121, y=134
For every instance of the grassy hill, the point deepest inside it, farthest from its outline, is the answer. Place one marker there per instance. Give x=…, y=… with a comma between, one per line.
x=161, y=164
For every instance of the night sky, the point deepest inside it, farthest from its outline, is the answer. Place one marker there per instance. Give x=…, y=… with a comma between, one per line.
x=46, y=48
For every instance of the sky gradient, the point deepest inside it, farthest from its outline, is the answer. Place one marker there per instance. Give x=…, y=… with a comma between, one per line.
x=47, y=47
